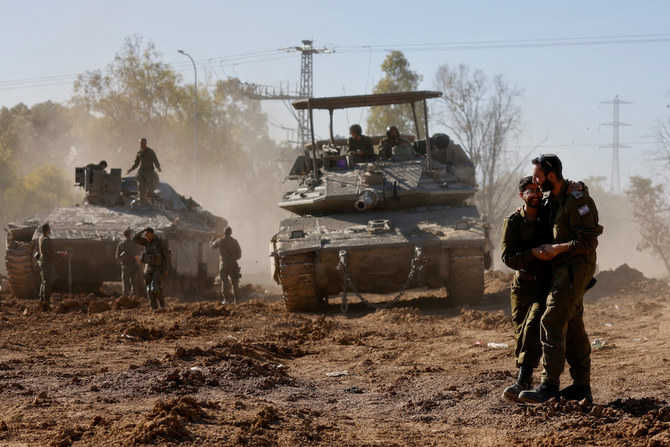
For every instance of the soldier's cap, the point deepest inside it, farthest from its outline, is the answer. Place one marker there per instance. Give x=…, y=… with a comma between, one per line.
x=525, y=181
x=45, y=228
x=149, y=230
x=127, y=232
x=549, y=163
x=228, y=231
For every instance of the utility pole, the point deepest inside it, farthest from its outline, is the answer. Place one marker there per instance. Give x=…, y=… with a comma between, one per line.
x=615, y=179
x=306, y=85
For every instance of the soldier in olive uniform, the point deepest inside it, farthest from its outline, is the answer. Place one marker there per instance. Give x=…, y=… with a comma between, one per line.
x=157, y=259
x=229, y=270
x=392, y=139
x=46, y=263
x=360, y=145
x=147, y=179
x=523, y=233
x=574, y=220
x=131, y=276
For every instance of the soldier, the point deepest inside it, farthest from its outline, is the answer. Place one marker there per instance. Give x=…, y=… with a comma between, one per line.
x=157, y=259
x=523, y=233
x=93, y=169
x=574, y=219
x=229, y=253
x=47, y=258
x=147, y=179
x=130, y=268
x=392, y=139
x=360, y=146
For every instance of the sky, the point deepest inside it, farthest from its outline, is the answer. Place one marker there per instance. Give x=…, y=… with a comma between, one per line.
x=46, y=44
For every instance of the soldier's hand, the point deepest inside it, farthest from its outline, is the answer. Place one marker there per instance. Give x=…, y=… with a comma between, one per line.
x=128, y=172
x=541, y=254
x=159, y=169
x=574, y=186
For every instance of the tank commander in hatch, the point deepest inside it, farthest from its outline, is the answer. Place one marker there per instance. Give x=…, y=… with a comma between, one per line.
x=156, y=258
x=46, y=262
x=131, y=276
x=147, y=179
x=360, y=146
x=229, y=270
x=392, y=140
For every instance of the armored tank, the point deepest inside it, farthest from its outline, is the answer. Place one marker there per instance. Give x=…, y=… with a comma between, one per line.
x=91, y=231
x=381, y=226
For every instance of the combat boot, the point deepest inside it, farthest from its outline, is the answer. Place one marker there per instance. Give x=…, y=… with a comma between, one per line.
x=577, y=392
x=539, y=395
x=523, y=382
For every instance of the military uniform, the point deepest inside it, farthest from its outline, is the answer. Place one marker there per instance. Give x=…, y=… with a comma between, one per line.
x=147, y=178
x=156, y=258
x=363, y=144
x=130, y=270
x=574, y=220
x=530, y=286
x=47, y=267
x=387, y=144
x=229, y=270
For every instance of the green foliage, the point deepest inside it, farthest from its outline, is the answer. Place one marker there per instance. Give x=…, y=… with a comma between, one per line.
x=398, y=78
x=652, y=213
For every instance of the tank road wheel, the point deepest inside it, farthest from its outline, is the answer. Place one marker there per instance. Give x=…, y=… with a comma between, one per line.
x=19, y=261
x=298, y=283
x=466, y=278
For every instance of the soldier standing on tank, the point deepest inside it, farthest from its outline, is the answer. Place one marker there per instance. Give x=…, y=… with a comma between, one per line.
x=392, y=139
x=360, y=146
x=46, y=263
x=130, y=269
x=147, y=179
x=156, y=258
x=523, y=233
x=574, y=219
x=229, y=253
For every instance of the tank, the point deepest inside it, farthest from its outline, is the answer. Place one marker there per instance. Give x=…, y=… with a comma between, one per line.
x=382, y=226
x=91, y=231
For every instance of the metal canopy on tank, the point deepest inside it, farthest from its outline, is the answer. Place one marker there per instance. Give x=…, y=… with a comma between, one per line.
x=381, y=99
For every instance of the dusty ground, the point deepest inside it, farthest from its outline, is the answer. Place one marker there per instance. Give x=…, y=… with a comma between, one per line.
x=99, y=371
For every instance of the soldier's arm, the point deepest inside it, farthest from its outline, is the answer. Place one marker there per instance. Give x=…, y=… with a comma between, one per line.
x=166, y=256
x=584, y=223
x=512, y=255
x=215, y=242
x=119, y=249
x=369, y=147
x=158, y=165
x=138, y=157
x=238, y=251
x=48, y=249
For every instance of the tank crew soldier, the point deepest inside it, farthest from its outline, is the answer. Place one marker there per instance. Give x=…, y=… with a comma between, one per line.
x=392, y=139
x=130, y=268
x=46, y=263
x=522, y=235
x=360, y=146
x=93, y=168
x=156, y=258
x=229, y=270
x=147, y=179
x=574, y=219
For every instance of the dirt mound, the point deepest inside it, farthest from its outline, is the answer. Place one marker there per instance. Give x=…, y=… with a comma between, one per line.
x=496, y=281
x=127, y=302
x=396, y=315
x=478, y=319
x=168, y=421
x=139, y=330
x=210, y=310
x=625, y=280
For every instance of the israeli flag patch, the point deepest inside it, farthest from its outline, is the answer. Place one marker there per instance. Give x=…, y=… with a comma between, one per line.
x=583, y=210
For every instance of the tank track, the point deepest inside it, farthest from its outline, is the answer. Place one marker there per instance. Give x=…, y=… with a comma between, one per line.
x=466, y=279
x=20, y=272
x=298, y=281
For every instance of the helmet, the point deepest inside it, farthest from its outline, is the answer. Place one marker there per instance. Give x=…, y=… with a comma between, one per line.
x=356, y=128
x=389, y=129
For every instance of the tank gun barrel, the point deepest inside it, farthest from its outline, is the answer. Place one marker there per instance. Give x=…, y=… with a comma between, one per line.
x=368, y=199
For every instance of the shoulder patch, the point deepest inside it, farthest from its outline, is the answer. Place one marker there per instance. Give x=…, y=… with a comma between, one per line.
x=583, y=210
x=577, y=194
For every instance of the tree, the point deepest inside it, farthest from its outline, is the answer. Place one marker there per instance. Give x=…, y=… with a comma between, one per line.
x=652, y=213
x=398, y=78
x=483, y=115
